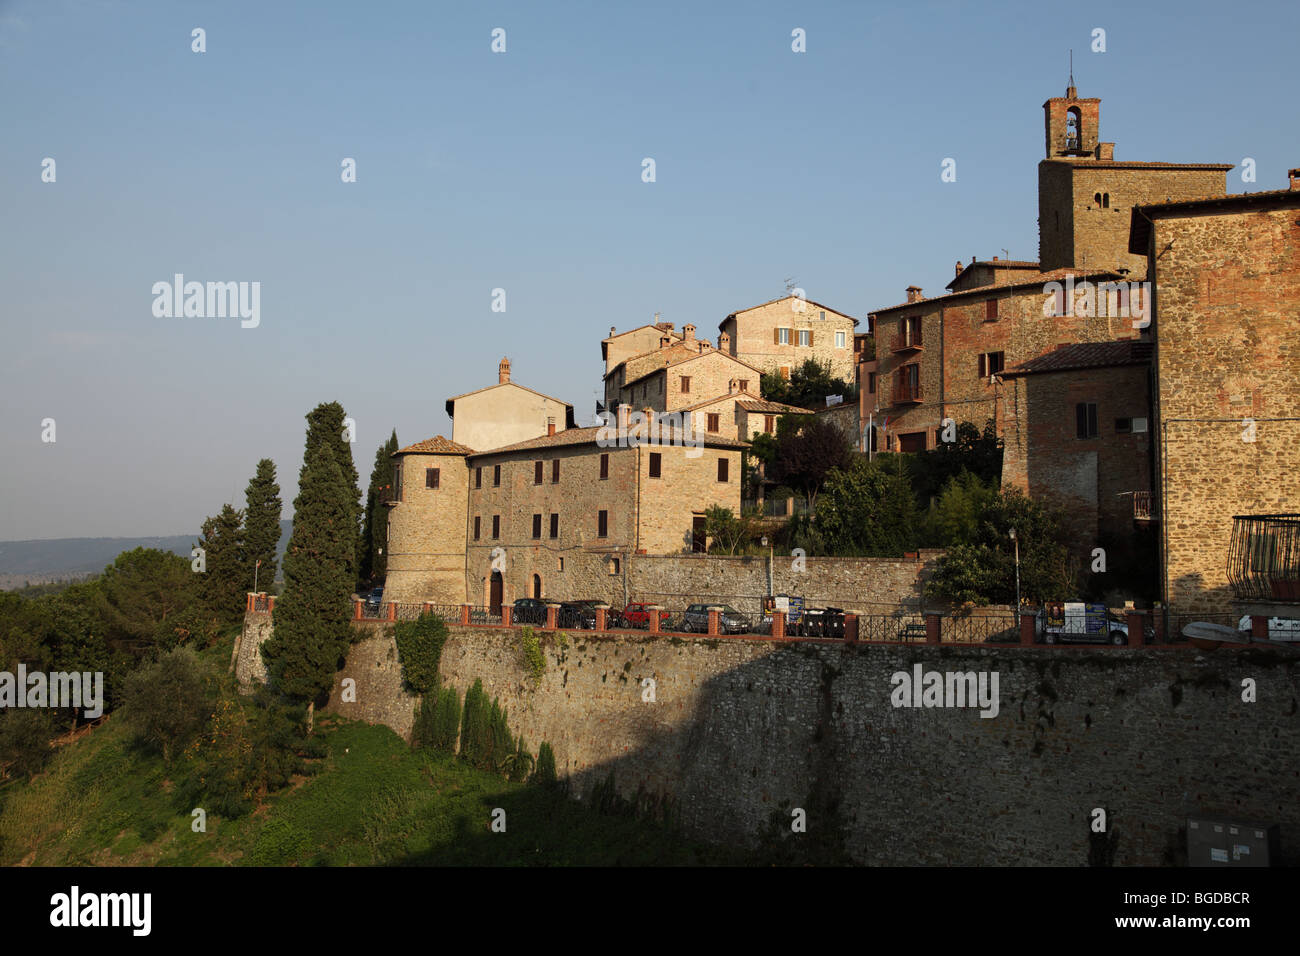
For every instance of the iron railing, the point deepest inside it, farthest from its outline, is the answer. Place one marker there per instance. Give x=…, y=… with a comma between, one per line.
x=1264, y=557
x=1146, y=506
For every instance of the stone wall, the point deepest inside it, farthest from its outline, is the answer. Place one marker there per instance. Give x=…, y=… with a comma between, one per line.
x=754, y=338
x=249, y=669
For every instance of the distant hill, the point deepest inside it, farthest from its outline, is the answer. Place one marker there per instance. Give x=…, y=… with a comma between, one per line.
x=55, y=559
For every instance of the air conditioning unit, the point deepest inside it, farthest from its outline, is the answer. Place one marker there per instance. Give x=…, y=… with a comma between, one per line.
x=1139, y=425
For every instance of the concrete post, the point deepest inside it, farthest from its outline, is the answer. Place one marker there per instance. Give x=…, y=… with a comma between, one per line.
x=602, y=616
x=933, y=628
x=778, y=624
x=714, y=615
x=1259, y=626
x=392, y=611
x=1137, y=632
x=652, y=617
x=464, y=614
x=270, y=603
x=356, y=610
x=426, y=609
x=552, y=616
x=506, y=611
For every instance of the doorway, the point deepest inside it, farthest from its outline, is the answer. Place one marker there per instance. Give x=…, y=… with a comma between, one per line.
x=537, y=586
x=494, y=593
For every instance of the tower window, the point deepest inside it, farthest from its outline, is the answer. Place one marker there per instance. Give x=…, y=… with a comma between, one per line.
x=1105, y=200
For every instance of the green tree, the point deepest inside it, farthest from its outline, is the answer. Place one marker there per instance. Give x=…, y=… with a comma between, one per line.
x=868, y=508
x=446, y=720
x=419, y=648
x=140, y=590
x=24, y=741
x=168, y=700
x=312, y=629
x=261, y=527
x=807, y=452
x=728, y=532
x=325, y=426
x=807, y=386
x=374, y=529
x=972, y=450
x=955, y=516
x=222, y=585
x=475, y=728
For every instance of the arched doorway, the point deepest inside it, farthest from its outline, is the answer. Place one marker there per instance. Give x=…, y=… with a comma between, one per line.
x=537, y=586
x=494, y=593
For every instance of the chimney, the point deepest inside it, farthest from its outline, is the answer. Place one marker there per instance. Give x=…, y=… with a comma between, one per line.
x=1106, y=151
x=733, y=386
x=1294, y=176
x=665, y=341
x=913, y=293
x=724, y=342
x=995, y=258
x=550, y=425
x=622, y=412
x=960, y=267
x=503, y=371
x=688, y=332
x=611, y=331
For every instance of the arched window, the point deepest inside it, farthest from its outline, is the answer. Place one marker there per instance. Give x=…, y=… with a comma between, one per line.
x=1105, y=200
x=1096, y=197
x=537, y=586
x=1073, y=128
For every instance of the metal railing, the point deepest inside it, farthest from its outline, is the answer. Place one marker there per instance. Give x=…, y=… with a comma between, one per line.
x=980, y=628
x=481, y=614
x=1264, y=557
x=905, y=392
x=1146, y=507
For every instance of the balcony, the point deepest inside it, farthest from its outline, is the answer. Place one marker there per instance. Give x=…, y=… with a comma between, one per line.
x=907, y=342
x=1146, y=507
x=907, y=393
x=1264, y=557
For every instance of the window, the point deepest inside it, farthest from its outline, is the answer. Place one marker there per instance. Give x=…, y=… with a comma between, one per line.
x=1085, y=419
x=871, y=383
x=823, y=316
x=561, y=565
x=555, y=471
x=912, y=442
x=990, y=310
x=769, y=424
x=431, y=477
x=604, y=466
x=537, y=472
x=477, y=526
x=713, y=422
x=555, y=526
x=1139, y=425
x=744, y=385
x=602, y=524
x=1096, y=197
x=782, y=336
x=991, y=363
x=839, y=340
x=1123, y=426
x=686, y=385
x=805, y=337
x=537, y=526
x=655, y=463
x=910, y=331
x=496, y=476
x=478, y=477
x=723, y=469
x=397, y=482
x=613, y=565
x=496, y=527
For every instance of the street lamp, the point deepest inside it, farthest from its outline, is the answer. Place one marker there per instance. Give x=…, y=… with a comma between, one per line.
x=767, y=544
x=1016, y=544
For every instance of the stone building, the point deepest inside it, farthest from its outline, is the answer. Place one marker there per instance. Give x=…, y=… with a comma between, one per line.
x=505, y=412
x=782, y=334
x=677, y=374
x=621, y=346
x=1226, y=271
x=1077, y=435
x=426, y=528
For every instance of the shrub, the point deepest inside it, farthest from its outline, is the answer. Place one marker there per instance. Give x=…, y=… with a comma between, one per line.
x=25, y=741
x=168, y=700
x=534, y=659
x=544, y=770
x=446, y=720
x=419, y=648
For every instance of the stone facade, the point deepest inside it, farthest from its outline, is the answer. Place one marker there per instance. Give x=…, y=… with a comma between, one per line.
x=677, y=376
x=755, y=336
x=505, y=413
x=426, y=527
x=1227, y=276
x=621, y=346
x=739, y=732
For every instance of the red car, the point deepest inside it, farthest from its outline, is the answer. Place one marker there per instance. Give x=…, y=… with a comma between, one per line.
x=637, y=614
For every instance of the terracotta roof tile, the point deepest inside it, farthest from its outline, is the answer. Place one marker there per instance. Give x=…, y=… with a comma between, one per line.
x=770, y=408
x=1007, y=282
x=437, y=445
x=782, y=298
x=588, y=436
x=1083, y=355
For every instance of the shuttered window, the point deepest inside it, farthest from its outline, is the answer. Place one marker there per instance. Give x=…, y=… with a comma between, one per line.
x=723, y=469
x=478, y=477
x=1085, y=419
x=537, y=526
x=431, y=477
x=496, y=476
x=604, y=466
x=555, y=471
x=496, y=526
x=602, y=524
x=477, y=526
x=655, y=463
x=555, y=526
x=713, y=423
x=537, y=472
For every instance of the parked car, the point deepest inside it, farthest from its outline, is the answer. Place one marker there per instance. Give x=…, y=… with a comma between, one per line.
x=730, y=621
x=579, y=614
x=374, y=601
x=637, y=614
x=529, y=611
x=821, y=622
x=1279, y=628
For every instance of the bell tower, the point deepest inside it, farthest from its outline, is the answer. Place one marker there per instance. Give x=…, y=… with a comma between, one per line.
x=1071, y=124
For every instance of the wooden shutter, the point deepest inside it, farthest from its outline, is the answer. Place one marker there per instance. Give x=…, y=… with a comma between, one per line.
x=654, y=464
x=602, y=524
x=537, y=526
x=537, y=472
x=810, y=338
x=983, y=366
x=604, y=465
x=776, y=336
x=723, y=469
x=555, y=526
x=555, y=471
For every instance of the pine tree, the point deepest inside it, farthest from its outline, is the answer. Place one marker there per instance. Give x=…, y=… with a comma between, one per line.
x=325, y=427
x=261, y=527
x=374, y=530
x=222, y=585
x=312, y=627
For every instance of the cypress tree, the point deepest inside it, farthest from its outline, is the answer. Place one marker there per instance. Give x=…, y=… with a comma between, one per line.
x=312, y=627
x=261, y=527
x=374, y=530
x=325, y=427
x=222, y=584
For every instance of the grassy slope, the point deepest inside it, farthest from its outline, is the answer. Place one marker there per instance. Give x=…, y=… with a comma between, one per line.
x=372, y=801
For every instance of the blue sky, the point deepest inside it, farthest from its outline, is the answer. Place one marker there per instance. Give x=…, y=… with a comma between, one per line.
x=519, y=171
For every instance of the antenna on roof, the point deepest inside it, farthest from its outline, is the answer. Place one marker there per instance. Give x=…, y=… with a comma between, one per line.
x=1006, y=253
x=1071, y=68
x=789, y=284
